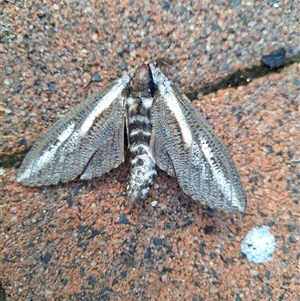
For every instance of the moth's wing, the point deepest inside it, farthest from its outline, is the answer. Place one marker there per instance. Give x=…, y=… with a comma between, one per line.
x=202, y=164
x=160, y=155
x=108, y=156
x=88, y=139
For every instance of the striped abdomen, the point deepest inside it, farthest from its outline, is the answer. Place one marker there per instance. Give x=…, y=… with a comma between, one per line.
x=139, y=132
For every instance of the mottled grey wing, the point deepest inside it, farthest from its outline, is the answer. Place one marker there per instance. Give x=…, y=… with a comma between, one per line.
x=160, y=155
x=202, y=164
x=87, y=141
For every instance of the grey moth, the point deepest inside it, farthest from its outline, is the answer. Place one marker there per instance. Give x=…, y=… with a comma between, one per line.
x=163, y=129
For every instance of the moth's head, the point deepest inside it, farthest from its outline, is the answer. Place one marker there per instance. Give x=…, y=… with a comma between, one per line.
x=142, y=81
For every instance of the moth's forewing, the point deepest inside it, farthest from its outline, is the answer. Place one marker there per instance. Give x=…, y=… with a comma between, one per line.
x=202, y=164
x=63, y=152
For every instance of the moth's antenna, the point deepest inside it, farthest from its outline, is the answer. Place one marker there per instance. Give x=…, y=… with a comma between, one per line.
x=163, y=62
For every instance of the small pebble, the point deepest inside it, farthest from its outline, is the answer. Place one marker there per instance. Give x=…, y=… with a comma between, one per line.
x=14, y=219
x=275, y=59
x=123, y=65
x=123, y=219
x=254, y=273
x=154, y=203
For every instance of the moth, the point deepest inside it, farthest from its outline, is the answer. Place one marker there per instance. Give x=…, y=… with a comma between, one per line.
x=163, y=130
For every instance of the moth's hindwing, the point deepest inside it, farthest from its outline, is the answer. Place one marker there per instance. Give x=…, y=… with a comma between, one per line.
x=189, y=147
x=89, y=140
x=162, y=159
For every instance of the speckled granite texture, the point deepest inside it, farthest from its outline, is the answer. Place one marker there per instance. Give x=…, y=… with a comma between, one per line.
x=78, y=241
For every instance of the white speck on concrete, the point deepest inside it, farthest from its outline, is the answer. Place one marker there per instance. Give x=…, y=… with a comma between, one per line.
x=6, y=82
x=259, y=245
x=154, y=203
